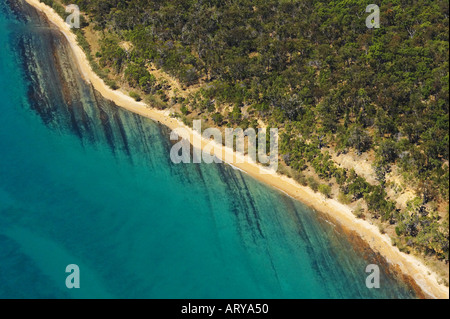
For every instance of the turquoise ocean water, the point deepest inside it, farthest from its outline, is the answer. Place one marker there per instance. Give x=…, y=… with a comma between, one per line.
x=84, y=182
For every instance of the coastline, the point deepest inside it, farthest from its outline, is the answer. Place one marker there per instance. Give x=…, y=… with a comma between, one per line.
x=408, y=265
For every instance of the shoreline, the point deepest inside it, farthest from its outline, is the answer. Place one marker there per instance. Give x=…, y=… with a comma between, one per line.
x=408, y=265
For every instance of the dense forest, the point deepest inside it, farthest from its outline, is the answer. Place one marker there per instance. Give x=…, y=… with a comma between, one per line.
x=313, y=69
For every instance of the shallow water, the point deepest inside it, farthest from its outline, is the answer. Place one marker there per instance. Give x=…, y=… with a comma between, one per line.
x=84, y=182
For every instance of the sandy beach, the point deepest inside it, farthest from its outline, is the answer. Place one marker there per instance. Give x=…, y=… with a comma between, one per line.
x=408, y=265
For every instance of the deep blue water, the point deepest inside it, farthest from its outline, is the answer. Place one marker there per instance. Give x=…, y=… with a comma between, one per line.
x=84, y=182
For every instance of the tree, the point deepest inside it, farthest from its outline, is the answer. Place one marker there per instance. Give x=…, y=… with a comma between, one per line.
x=217, y=118
x=359, y=139
x=387, y=151
x=325, y=190
x=236, y=115
x=313, y=183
